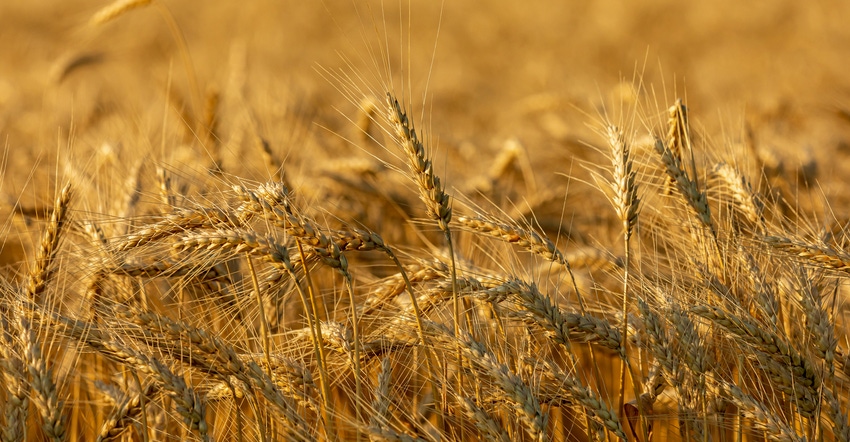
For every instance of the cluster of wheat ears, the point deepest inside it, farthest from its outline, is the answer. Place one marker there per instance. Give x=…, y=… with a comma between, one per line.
x=244, y=312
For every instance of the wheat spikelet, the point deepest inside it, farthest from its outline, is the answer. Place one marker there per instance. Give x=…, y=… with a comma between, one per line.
x=41, y=272
x=625, y=199
x=381, y=403
x=677, y=137
x=821, y=256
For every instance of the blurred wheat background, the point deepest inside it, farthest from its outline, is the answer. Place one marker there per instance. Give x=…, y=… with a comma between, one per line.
x=611, y=220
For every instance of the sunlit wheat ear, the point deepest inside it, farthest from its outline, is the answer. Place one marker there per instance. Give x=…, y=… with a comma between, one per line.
x=625, y=199
x=214, y=356
x=189, y=403
x=116, y=9
x=561, y=327
x=820, y=327
x=431, y=191
x=840, y=426
x=511, y=388
x=627, y=206
x=177, y=222
x=746, y=200
x=41, y=273
x=791, y=371
x=816, y=255
x=678, y=137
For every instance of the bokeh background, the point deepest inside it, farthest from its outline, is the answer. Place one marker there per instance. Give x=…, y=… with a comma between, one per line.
x=477, y=75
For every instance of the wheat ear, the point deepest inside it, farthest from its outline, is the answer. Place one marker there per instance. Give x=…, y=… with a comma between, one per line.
x=678, y=176
x=527, y=239
x=511, y=386
x=431, y=192
x=14, y=376
x=45, y=396
x=627, y=206
x=818, y=255
x=127, y=408
x=272, y=202
x=41, y=273
x=587, y=398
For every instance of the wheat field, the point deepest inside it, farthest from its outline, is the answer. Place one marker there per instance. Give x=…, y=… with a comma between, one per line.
x=408, y=221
